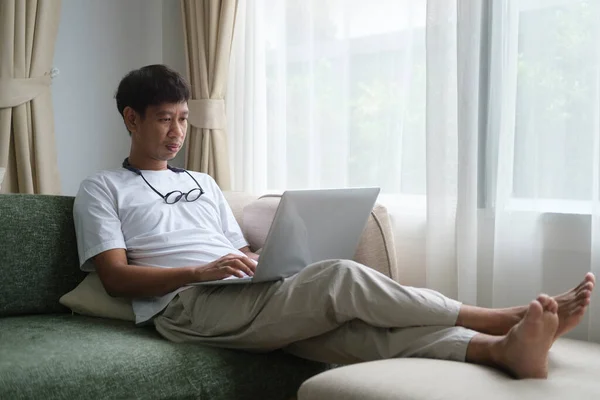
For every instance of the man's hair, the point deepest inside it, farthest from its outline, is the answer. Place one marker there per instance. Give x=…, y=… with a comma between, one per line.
x=150, y=86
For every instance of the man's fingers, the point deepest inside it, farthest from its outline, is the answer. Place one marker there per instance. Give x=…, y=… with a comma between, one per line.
x=248, y=262
x=232, y=257
x=231, y=270
x=241, y=265
x=225, y=271
x=238, y=265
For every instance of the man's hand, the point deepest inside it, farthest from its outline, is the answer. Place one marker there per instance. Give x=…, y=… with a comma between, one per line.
x=224, y=267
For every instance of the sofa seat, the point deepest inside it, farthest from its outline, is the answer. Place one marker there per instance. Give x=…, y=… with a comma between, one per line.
x=574, y=373
x=64, y=356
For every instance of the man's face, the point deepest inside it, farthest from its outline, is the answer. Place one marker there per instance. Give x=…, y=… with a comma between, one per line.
x=161, y=132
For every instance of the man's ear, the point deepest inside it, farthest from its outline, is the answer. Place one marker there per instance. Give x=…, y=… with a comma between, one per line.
x=132, y=119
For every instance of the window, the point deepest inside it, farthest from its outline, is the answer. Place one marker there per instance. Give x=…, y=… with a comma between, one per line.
x=346, y=94
x=557, y=118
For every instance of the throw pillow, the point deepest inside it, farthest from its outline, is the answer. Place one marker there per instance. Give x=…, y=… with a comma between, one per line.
x=90, y=298
x=257, y=219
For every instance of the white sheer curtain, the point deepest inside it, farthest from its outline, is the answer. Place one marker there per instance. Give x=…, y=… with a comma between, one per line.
x=478, y=119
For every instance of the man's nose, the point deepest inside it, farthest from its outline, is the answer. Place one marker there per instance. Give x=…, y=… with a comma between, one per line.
x=177, y=129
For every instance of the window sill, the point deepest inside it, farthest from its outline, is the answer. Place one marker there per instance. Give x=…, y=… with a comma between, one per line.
x=553, y=206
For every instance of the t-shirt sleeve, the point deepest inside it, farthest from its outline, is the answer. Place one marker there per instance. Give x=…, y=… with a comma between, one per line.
x=231, y=229
x=97, y=224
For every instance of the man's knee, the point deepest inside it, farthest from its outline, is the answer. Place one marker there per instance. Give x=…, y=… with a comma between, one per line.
x=337, y=267
x=349, y=265
x=331, y=272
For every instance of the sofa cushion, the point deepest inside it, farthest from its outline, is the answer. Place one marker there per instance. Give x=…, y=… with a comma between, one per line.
x=75, y=357
x=38, y=253
x=90, y=298
x=375, y=249
x=573, y=374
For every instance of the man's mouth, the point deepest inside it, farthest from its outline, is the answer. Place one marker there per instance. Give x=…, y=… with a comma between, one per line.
x=173, y=147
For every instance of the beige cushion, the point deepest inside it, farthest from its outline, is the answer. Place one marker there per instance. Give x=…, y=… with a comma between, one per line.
x=574, y=372
x=375, y=249
x=90, y=298
x=237, y=201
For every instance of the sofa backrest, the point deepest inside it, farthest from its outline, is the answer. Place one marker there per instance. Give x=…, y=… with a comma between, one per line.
x=38, y=253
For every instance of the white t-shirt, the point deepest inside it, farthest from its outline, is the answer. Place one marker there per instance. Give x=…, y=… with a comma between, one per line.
x=117, y=210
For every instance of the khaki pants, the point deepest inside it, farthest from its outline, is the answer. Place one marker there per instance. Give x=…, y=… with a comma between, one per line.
x=334, y=311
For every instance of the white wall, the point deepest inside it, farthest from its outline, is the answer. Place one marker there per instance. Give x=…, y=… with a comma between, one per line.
x=99, y=41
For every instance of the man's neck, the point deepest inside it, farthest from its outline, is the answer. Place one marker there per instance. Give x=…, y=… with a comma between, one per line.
x=146, y=164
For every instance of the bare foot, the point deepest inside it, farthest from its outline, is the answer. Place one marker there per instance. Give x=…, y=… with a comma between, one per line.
x=571, y=308
x=573, y=304
x=523, y=352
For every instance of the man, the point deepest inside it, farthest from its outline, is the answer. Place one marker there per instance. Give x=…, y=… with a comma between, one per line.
x=149, y=230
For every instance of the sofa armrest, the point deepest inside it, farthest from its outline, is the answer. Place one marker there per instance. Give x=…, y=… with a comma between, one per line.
x=376, y=248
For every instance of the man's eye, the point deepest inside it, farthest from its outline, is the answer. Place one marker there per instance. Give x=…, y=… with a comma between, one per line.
x=182, y=119
x=165, y=119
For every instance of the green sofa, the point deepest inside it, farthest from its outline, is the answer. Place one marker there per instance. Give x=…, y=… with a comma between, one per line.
x=48, y=352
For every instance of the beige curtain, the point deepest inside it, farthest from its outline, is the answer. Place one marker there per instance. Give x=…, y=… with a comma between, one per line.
x=28, y=30
x=208, y=29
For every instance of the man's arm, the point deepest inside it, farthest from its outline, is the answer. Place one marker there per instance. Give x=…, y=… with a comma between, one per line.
x=248, y=253
x=121, y=279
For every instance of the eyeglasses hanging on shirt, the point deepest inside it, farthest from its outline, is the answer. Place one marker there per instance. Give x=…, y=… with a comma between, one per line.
x=176, y=195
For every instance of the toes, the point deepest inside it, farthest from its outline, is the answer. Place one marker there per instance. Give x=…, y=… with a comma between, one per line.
x=543, y=300
x=589, y=277
x=578, y=296
x=578, y=311
x=584, y=294
x=587, y=302
x=535, y=310
x=589, y=286
x=576, y=306
x=552, y=306
x=587, y=280
x=548, y=303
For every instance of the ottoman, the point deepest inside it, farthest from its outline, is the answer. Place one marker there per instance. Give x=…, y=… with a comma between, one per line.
x=574, y=373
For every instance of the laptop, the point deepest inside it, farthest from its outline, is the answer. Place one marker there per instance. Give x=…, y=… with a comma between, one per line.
x=310, y=226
